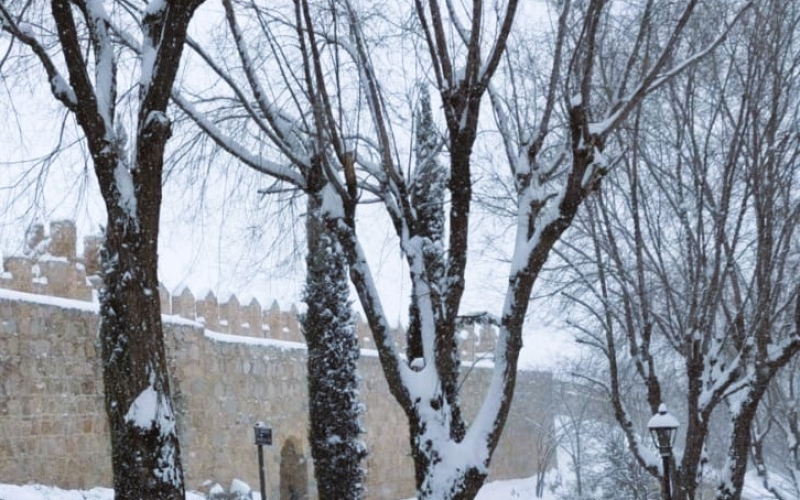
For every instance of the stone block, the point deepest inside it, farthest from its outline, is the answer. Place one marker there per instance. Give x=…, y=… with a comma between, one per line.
x=208, y=308
x=21, y=274
x=60, y=277
x=230, y=315
x=62, y=239
x=91, y=254
x=252, y=316
x=8, y=329
x=184, y=304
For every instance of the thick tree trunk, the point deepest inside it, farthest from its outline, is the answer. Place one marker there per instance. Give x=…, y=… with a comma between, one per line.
x=144, y=444
x=462, y=486
x=736, y=462
x=145, y=451
x=741, y=440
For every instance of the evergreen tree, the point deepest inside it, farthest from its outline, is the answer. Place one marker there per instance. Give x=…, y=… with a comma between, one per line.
x=334, y=407
x=427, y=196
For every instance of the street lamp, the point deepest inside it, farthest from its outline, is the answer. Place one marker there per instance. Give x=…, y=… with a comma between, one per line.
x=663, y=427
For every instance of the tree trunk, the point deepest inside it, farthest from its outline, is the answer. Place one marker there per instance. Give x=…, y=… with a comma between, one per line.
x=433, y=484
x=144, y=444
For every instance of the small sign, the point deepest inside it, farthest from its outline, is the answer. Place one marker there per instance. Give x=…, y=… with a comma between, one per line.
x=263, y=435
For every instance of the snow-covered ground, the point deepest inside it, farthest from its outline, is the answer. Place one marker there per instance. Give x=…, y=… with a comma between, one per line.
x=497, y=490
x=40, y=492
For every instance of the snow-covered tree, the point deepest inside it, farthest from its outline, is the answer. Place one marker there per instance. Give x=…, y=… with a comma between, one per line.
x=301, y=132
x=333, y=350
x=775, y=446
x=428, y=197
x=76, y=38
x=452, y=454
x=688, y=269
x=331, y=89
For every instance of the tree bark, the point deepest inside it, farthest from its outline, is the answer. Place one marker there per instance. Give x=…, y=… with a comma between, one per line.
x=144, y=443
x=146, y=461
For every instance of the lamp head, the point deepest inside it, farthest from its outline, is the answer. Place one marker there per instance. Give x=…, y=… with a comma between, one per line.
x=663, y=428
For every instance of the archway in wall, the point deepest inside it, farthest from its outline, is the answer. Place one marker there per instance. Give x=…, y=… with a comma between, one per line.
x=294, y=473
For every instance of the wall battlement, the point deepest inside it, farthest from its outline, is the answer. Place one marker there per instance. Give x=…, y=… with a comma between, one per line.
x=53, y=427
x=230, y=367
x=50, y=265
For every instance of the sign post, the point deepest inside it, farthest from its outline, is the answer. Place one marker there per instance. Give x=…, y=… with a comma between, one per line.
x=263, y=435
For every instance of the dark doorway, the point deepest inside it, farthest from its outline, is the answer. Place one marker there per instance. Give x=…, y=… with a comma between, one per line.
x=294, y=473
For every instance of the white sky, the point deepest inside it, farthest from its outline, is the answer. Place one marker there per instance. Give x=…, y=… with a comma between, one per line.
x=207, y=247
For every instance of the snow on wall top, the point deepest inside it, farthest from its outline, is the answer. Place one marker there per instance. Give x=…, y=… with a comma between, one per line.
x=50, y=271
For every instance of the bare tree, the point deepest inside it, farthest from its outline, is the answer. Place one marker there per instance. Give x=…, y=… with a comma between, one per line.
x=76, y=37
x=775, y=435
x=689, y=264
x=463, y=49
x=295, y=126
x=451, y=455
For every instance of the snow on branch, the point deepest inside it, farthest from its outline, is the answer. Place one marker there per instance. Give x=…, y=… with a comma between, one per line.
x=105, y=60
x=256, y=162
x=164, y=31
x=58, y=86
x=126, y=190
x=655, y=79
x=295, y=155
x=281, y=127
x=399, y=376
x=152, y=26
x=780, y=353
x=719, y=381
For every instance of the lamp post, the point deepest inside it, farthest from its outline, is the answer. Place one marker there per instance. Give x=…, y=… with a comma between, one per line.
x=663, y=427
x=263, y=436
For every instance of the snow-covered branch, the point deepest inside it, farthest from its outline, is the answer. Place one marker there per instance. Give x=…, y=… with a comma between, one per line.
x=284, y=172
x=659, y=75
x=281, y=127
x=105, y=66
x=58, y=86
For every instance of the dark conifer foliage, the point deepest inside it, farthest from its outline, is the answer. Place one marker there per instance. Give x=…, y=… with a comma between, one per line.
x=334, y=407
x=428, y=197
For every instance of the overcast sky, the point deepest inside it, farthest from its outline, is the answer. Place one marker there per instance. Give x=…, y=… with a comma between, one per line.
x=208, y=246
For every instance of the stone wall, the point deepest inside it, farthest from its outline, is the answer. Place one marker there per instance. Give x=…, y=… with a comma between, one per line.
x=49, y=265
x=52, y=425
x=53, y=429
x=231, y=364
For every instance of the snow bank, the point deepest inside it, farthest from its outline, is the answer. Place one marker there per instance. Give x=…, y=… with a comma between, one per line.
x=40, y=492
x=509, y=489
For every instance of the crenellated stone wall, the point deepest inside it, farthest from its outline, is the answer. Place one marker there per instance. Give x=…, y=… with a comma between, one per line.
x=53, y=428
x=49, y=265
